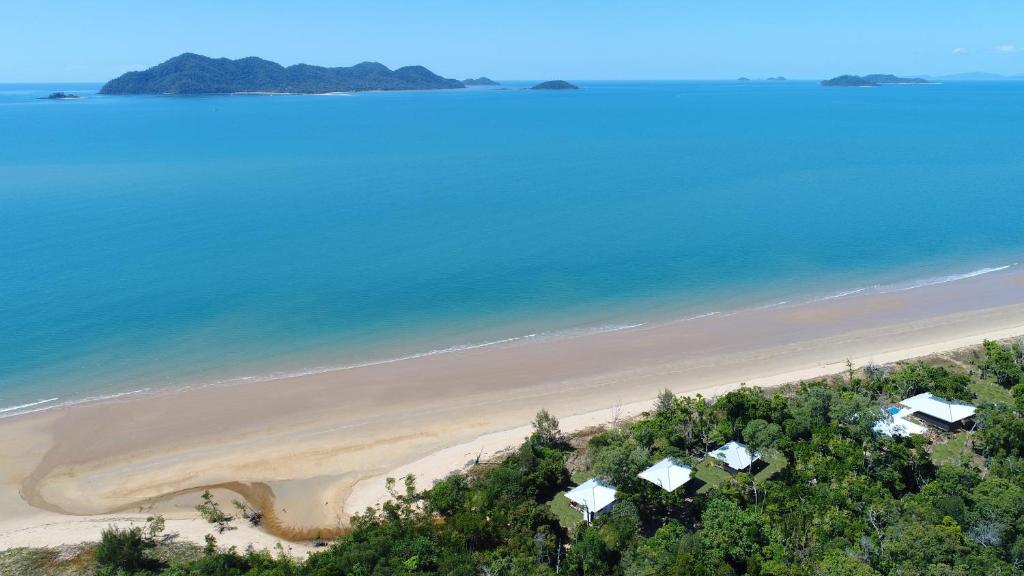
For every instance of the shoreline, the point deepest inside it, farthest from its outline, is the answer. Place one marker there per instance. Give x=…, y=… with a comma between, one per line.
x=583, y=329
x=322, y=444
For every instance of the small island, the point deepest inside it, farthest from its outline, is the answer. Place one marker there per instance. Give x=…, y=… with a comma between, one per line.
x=871, y=80
x=197, y=74
x=776, y=79
x=743, y=79
x=555, y=85
x=61, y=96
x=481, y=81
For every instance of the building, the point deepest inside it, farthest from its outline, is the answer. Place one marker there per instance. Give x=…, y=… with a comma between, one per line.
x=668, y=474
x=943, y=414
x=591, y=498
x=896, y=424
x=735, y=456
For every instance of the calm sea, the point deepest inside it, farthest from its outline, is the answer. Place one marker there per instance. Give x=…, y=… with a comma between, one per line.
x=172, y=241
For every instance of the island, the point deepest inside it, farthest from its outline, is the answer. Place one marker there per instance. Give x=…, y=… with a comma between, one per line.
x=776, y=79
x=871, y=80
x=61, y=96
x=196, y=74
x=743, y=79
x=481, y=81
x=555, y=85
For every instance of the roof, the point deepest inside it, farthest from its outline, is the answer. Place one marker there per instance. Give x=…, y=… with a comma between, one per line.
x=945, y=410
x=592, y=494
x=735, y=455
x=898, y=425
x=668, y=474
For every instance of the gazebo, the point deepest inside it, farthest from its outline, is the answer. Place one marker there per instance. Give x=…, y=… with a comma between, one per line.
x=668, y=474
x=591, y=498
x=735, y=456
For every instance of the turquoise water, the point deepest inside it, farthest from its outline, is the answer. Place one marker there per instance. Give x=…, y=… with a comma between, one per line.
x=166, y=241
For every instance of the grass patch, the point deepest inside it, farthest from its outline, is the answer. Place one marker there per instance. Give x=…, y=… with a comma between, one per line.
x=581, y=477
x=989, y=391
x=953, y=451
x=713, y=474
x=567, y=516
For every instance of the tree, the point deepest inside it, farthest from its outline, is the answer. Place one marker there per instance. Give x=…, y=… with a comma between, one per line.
x=666, y=403
x=545, y=428
x=730, y=535
x=123, y=550
x=1003, y=363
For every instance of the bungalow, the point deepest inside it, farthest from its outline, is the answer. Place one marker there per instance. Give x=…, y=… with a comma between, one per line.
x=947, y=415
x=896, y=424
x=736, y=456
x=668, y=474
x=591, y=498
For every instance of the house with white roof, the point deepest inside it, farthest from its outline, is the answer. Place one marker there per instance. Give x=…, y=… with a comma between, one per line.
x=591, y=498
x=736, y=456
x=668, y=474
x=944, y=414
x=898, y=425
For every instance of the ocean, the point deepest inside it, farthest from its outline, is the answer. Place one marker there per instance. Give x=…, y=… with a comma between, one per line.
x=150, y=242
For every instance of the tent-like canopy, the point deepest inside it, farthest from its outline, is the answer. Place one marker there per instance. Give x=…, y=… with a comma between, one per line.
x=593, y=495
x=668, y=474
x=735, y=455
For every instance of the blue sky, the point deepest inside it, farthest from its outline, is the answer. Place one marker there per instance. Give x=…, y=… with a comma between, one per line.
x=94, y=40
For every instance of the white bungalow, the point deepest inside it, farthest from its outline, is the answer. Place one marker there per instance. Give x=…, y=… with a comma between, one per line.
x=736, y=456
x=668, y=474
x=898, y=425
x=591, y=498
x=941, y=413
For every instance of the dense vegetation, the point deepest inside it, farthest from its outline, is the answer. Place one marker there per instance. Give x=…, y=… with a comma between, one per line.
x=195, y=74
x=837, y=498
x=871, y=80
x=481, y=81
x=555, y=85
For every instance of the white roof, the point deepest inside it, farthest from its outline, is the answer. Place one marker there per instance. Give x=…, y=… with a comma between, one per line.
x=668, y=474
x=945, y=410
x=735, y=455
x=592, y=494
x=898, y=425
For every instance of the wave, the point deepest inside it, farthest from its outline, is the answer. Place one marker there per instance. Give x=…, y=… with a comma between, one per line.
x=914, y=284
x=16, y=410
x=48, y=404
x=29, y=405
x=943, y=279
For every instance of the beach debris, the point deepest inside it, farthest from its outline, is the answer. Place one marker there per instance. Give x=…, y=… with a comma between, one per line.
x=254, y=516
x=211, y=512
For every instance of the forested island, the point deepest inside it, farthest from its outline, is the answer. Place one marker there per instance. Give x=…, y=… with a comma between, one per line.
x=196, y=74
x=829, y=494
x=871, y=80
x=481, y=81
x=61, y=96
x=555, y=85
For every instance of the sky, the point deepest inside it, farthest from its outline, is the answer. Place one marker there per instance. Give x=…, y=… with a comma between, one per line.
x=95, y=40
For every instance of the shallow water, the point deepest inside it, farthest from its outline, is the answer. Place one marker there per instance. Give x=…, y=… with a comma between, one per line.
x=168, y=241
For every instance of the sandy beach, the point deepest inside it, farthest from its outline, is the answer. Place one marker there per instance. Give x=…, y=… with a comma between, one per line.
x=314, y=449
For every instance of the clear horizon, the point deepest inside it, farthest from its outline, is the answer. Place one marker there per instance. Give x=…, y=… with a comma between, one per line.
x=649, y=40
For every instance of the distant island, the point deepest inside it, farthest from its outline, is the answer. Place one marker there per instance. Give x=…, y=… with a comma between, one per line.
x=847, y=80
x=481, y=81
x=61, y=96
x=196, y=74
x=743, y=79
x=555, y=85
x=776, y=79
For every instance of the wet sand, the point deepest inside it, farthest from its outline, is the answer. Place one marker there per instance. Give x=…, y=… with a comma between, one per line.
x=314, y=449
